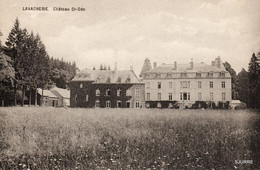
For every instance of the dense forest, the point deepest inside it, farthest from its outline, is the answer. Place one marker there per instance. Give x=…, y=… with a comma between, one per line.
x=25, y=66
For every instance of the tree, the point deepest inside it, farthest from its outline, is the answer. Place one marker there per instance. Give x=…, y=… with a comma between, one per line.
x=232, y=72
x=6, y=76
x=254, y=81
x=243, y=86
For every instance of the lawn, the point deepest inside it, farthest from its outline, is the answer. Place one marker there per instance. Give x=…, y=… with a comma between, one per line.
x=66, y=138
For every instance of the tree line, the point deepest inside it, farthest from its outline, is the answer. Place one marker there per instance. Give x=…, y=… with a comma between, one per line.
x=25, y=66
x=246, y=84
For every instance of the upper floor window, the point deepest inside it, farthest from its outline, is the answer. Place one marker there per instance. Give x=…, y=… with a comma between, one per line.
x=81, y=85
x=199, y=96
x=108, y=92
x=169, y=75
x=137, y=92
x=222, y=74
x=211, y=84
x=128, y=92
x=97, y=92
x=148, y=85
x=159, y=75
x=75, y=97
x=198, y=74
x=223, y=84
x=210, y=74
x=147, y=75
x=223, y=96
x=199, y=85
x=170, y=85
x=159, y=85
x=185, y=84
x=119, y=92
x=159, y=96
x=211, y=96
x=148, y=96
x=87, y=98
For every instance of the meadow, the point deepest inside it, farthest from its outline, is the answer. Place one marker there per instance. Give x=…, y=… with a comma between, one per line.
x=74, y=138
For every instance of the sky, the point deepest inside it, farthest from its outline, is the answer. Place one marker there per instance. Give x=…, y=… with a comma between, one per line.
x=128, y=31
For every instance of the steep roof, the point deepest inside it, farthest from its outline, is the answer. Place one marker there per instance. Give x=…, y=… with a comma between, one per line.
x=197, y=67
x=46, y=93
x=63, y=92
x=146, y=66
x=107, y=76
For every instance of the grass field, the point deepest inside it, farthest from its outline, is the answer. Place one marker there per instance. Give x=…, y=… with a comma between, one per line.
x=60, y=138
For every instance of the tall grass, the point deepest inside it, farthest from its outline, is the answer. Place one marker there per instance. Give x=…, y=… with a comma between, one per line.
x=47, y=138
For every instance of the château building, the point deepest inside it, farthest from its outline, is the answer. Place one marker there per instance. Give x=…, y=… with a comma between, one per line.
x=107, y=89
x=184, y=84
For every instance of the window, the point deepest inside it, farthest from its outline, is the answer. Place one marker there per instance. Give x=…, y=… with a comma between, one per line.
x=223, y=84
x=148, y=96
x=76, y=97
x=97, y=92
x=108, y=80
x=210, y=74
x=137, y=104
x=147, y=75
x=211, y=84
x=119, y=92
x=119, y=80
x=159, y=85
x=128, y=104
x=119, y=104
x=148, y=85
x=198, y=74
x=81, y=85
x=185, y=84
x=108, y=92
x=158, y=75
x=170, y=96
x=87, y=98
x=128, y=80
x=223, y=96
x=128, y=92
x=97, y=103
x=184, y=96
x=108, y=104
x=199, y=96
x=199, y=84
x=211, y=96
x=159, y=96
x=137, y=92
x=183, y=74
x=222, y=74
x=170, y=85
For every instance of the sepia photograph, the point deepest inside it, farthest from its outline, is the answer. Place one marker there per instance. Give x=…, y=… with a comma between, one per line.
x=129, y=84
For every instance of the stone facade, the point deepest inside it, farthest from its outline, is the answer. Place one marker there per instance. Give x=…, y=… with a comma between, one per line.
x=187, y=83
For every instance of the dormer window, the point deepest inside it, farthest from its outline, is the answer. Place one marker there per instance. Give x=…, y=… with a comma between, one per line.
x=222, y=74
x=147, y=75
x=108, y=80
x=128, y=80
x=184, y=74
x=119, y=80
x=169, y=75
x=198, y=74
x=119, y=92
x=99, y=79
x=210, y=74
x=159, y=75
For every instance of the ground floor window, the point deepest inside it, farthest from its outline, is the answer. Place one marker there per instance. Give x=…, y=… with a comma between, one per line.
x=128, y=104
x=119, y=104
x=170, y=96
x=108, y=104
x=184, y=96
x=137, y=104
x=97, y=103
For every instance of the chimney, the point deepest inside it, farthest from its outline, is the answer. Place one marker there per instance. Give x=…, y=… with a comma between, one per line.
x=154, y=64
x=131, y=68
x=115, y=68
x=191, y=64
x=213, y=63
x=218, y=62
x=175, y=65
